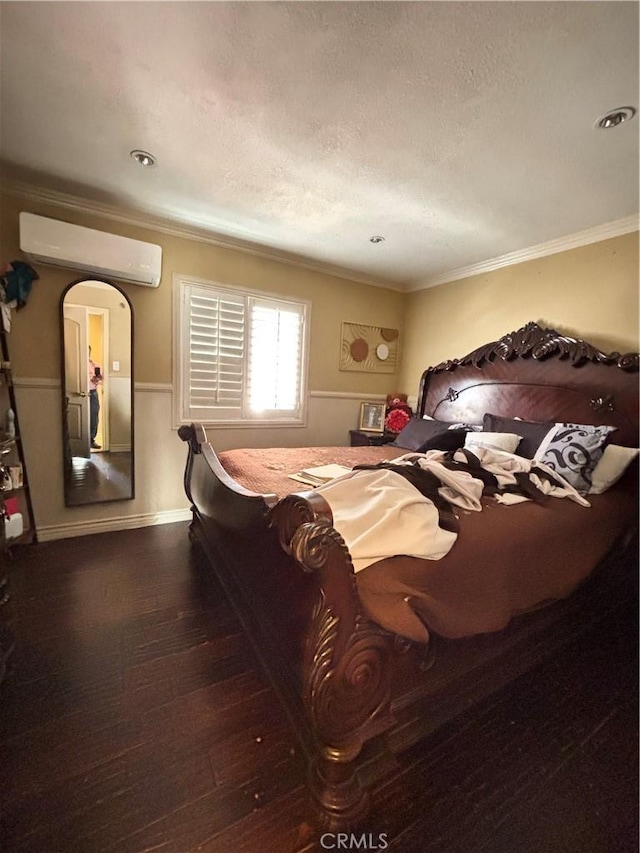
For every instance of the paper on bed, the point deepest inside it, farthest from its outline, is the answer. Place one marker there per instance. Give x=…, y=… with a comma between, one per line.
x=327, y=472
x=306, y=479
x=321, y=474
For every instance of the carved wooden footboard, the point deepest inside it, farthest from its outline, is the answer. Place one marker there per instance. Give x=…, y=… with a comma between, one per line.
x=347, y=660
x=297, y=599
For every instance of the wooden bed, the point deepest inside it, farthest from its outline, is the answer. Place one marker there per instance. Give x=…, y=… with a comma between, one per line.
x=359, y=693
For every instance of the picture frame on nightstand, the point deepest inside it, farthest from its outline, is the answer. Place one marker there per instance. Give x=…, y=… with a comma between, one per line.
x=372, y=417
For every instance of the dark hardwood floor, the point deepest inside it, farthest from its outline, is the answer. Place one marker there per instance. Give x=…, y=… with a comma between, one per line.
x=135, y=717
x=104, y=476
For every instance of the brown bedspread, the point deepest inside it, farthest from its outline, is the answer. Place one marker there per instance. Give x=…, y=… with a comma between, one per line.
x=507, y=559
x=266, y=470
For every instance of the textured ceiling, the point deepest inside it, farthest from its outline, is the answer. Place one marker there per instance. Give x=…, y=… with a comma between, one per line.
x=459, y=131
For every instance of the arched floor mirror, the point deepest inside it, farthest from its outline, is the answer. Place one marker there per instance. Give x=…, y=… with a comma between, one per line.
x=97, y=393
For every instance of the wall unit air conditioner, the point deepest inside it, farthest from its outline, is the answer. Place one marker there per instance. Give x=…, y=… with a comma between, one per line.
x=61, y=244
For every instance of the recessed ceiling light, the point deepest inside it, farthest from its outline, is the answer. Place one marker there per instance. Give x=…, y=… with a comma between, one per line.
x=376, y=239
x=615, y=117
x=144, y=158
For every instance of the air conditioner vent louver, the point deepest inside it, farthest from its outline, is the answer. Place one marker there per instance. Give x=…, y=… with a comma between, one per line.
x=61, y=244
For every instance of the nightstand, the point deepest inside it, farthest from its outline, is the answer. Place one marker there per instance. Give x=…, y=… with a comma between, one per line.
x=359, y=438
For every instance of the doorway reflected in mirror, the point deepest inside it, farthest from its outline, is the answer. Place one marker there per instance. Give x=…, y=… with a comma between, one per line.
x=97, y=393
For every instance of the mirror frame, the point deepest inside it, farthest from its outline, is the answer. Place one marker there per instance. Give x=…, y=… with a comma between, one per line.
x=86, y=278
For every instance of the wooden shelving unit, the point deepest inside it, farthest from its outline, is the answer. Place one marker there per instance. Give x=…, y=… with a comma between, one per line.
x=12, y=455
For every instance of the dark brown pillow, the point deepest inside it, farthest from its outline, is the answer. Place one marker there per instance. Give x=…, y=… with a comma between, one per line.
x=450, y=439
x=531, y=432
x=421, y=435
x=417, y=432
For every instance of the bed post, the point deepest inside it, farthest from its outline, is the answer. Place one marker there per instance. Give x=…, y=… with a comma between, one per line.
x=194, y=436
x=346, y=668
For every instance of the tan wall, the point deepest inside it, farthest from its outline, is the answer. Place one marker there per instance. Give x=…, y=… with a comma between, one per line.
x=334, y=300
x=590, y=292
x=35, y=352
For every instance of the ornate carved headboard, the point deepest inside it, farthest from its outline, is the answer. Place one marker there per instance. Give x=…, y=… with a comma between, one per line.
x=537, y=374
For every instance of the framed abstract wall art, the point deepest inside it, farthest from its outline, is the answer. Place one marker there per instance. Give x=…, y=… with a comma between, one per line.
x=370, y=349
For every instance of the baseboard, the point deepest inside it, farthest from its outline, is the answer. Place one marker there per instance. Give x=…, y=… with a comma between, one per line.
x=125, y=522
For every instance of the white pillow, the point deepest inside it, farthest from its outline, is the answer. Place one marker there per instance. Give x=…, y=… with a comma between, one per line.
x=614, y=462
x=507, y=441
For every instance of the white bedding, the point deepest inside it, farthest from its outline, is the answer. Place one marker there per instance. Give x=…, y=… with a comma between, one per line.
x=380, y=514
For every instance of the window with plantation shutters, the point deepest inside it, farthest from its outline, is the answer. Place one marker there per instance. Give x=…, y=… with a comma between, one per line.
x=213, y=374
x=274, y=357
x=241, y=355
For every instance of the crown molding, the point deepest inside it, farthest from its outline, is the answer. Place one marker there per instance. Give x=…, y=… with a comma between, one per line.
x=152, y=222
x=552, y=247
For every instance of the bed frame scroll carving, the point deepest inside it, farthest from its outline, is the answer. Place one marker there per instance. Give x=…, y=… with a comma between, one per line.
x=539, y=343
x=346, y=672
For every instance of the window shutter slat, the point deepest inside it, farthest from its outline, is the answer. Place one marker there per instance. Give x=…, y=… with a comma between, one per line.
x=215, y=352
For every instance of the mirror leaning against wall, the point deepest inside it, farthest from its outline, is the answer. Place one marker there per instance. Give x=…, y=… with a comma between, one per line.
x=97, y=393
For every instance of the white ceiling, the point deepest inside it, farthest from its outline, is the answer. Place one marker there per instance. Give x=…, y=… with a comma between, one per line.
x=458, y=131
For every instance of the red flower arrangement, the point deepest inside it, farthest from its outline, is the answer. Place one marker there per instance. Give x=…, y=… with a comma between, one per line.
x=396, y=420
x=398, y=413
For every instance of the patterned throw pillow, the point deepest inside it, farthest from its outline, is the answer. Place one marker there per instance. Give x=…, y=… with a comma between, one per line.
x=574, y=450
